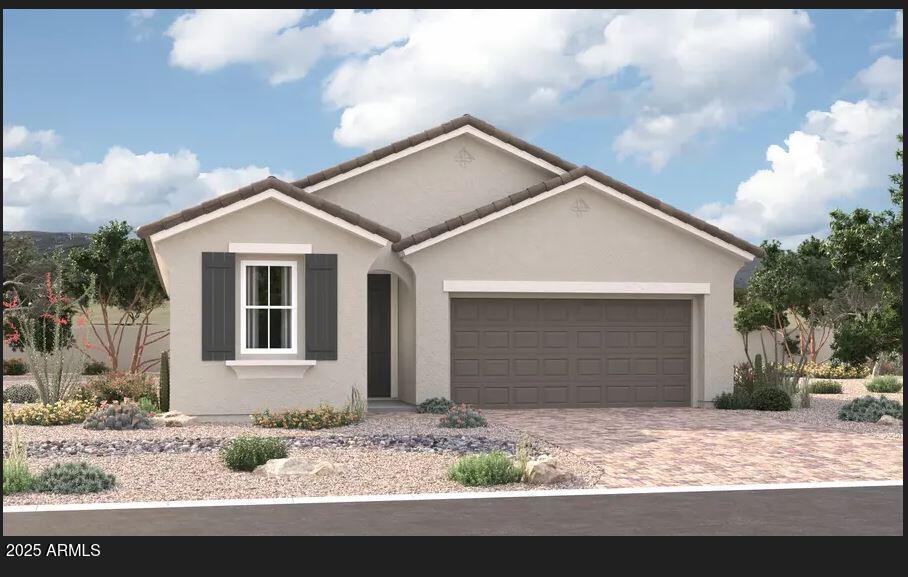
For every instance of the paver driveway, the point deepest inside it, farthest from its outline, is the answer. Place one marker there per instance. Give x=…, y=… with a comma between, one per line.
x=663, y=447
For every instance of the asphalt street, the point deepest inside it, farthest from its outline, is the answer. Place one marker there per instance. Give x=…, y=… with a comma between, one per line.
x=813, y=511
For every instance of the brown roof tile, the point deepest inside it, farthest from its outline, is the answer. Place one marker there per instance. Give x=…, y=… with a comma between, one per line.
x=429, y=134
x=565, y=178
x=257, y=187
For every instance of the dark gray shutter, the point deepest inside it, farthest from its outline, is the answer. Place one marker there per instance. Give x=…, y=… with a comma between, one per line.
x=321, y=307
x=218, y=306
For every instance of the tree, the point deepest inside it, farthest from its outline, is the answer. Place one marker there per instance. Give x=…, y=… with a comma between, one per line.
x=794, y=287
x=754, y=315
x=26, y=278
x=866, y=250
x=116, y=273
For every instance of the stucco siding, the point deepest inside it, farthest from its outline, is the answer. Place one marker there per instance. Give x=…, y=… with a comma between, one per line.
x=213, y=388
x=435, y=184
x=553, y=241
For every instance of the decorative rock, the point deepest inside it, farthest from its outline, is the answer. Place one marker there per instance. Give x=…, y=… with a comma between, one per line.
x=172, y=419
x=296, y=466
x=425, y=443
x=545, y=472
x=889, y=420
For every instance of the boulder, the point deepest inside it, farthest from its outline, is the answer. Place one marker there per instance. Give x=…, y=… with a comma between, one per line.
x=889, y=420
x=297, y=466
x=172, y=419
x=545, y=472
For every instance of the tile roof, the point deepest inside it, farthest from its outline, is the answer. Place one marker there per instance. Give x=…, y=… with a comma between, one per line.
x=554, y=182
x=270, y=183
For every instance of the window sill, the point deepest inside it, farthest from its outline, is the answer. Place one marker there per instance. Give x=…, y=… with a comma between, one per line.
x=270, y=369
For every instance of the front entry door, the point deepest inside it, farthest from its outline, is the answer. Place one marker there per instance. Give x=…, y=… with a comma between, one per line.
x=379, y=335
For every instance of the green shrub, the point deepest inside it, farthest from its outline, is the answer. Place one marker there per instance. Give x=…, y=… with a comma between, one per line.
x=73, y=478
x=437, y=405
x=324, y=417
x=164, y=382
x=59, y=413
x=21, y=393
x=94, y=368
x=247, y=453
x=118, y=417
x=117, y=386
x=486, y=469
x=770, y=399
x=356, y=408
x=826, y=388
x=462, y=417
x=737, y=400
x=147, y=405
x=14, y=367
x=869, y=409
x=888, y=384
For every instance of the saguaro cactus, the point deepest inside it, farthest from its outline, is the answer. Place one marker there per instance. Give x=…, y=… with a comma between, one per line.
x=164, y=382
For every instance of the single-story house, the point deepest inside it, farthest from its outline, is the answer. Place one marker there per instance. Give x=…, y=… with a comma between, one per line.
x=461, y=262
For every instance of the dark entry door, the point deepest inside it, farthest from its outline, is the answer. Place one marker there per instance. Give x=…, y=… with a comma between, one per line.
x=379, y=337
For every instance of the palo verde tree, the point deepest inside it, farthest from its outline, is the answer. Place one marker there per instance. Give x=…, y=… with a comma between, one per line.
x=116, y=273
x=866, y=249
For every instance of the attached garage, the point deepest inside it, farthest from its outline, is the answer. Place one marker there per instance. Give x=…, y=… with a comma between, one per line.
x=570, y=352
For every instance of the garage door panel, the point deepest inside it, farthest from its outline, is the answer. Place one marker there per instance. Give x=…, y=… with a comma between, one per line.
x=570, y=352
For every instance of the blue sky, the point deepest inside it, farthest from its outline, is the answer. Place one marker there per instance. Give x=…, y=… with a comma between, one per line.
x=177, y=100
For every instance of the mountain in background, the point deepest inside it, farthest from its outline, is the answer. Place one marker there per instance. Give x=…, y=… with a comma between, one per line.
x=48, y=241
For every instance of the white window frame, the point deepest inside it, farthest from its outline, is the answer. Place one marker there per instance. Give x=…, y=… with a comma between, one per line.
x=294, y=306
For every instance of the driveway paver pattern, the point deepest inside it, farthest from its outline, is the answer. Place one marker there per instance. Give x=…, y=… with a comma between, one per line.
x=636, y=447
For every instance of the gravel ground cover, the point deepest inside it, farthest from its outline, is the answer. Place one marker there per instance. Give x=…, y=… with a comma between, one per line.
x=365, y=471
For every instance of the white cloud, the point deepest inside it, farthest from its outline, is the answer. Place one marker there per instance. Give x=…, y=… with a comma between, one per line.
x=53, y=194
x=206, y=40
x=896, y=30
x=139, y=21
x=835, y=156
x=20, y=138
x=400, y=71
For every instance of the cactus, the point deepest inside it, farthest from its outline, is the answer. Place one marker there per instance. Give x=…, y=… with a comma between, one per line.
x=164, y=382
x=118, y=417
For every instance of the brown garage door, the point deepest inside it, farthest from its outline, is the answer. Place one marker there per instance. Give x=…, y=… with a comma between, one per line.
x=526, y=353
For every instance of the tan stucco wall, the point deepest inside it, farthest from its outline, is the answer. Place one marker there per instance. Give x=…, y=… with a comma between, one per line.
x=212, y=388
x=547, y=241
x=430, y=186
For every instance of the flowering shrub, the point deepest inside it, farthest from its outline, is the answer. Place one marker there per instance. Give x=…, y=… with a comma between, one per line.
x=744, y=377
x=462, y=416
x=14, y=367
x=59, y=413
x=117, y=386
x=324, y=417
x=833, y=371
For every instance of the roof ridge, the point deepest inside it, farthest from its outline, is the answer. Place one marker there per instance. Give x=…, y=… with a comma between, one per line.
x=269, y=183
x=555, y=182
x=434, y=132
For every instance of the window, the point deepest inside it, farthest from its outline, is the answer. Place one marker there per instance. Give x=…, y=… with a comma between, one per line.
x=268, y=319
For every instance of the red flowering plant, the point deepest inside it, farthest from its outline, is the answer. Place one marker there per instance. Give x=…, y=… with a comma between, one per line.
x=41, y=327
